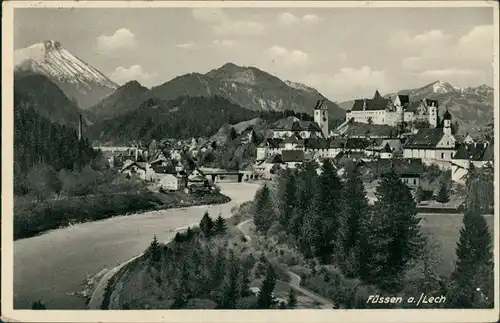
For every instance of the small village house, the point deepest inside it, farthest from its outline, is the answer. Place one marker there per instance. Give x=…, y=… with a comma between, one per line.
x=293, y=158
x=169, y=182
x=477, y=154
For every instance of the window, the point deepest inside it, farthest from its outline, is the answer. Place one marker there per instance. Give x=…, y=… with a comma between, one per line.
x=414, y=181
x=442, y=155
x=451, y=155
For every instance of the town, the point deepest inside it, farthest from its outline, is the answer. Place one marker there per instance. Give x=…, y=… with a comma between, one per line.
x=378, y=133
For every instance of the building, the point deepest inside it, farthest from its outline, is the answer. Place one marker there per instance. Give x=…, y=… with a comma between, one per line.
x=321, y=117
x=409, y=170
x=477, y=154
x=134, y=169
x=435, y=145
x=169, y=182
x=269, y=167
x=293, y=158
x=392, y=112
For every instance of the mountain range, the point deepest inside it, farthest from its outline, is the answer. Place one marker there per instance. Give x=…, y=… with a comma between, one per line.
x=77, y=79
x=61, y=86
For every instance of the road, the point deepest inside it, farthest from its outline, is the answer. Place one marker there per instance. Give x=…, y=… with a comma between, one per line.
x=294, y=278
x=54, y=264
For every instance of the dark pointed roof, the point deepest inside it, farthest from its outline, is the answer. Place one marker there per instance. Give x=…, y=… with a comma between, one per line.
x=377, y=95
x=386, y=149
x=425, y=138
x=475, y=152
x=293, y=155
x=447, y=115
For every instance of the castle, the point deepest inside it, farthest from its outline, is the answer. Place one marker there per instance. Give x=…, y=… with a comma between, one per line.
x=395, y=111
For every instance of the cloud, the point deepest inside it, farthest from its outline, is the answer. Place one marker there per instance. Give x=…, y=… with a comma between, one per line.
x=239, y=28
x=312, y=19
x=287, y=19
x=209, y=15
x=434, y=51
x=349, y=83
x=120, y=40
x=296, y=58
x=223, y=43
x=122, y=75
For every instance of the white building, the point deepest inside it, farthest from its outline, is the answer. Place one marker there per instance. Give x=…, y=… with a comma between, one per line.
x=392, y=112
x=433, y=146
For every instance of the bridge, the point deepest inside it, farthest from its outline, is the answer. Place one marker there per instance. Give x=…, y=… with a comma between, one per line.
x=216, y=172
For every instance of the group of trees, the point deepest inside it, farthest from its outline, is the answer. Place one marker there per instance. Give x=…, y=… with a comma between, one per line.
x=195, y=267
x=39, y=143
x=330, y=220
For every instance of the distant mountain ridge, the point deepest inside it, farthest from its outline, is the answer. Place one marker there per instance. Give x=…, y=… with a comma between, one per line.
x=73, y=76
x=248, y=87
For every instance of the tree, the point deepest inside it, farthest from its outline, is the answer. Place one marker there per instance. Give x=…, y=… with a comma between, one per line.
x=286, y=196
x=38, y=305
x=232, y=134
x=370, y=120
x=292, y=298
x=206, y=225
x=229, y=289
x=43, y=181
x=353, y=219
x=393, y=234
x=443, y=195
x=324, y=213
x=419, y=194
x=263, y=209
x=220, y=225
x=244, y=283
x=265, y=298
x=154, y=250
x=472, y=280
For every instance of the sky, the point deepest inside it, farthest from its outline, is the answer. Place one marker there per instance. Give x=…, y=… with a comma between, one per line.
x=345, y=53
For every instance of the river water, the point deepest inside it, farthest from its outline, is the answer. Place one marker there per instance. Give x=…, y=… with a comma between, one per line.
x=54, y=264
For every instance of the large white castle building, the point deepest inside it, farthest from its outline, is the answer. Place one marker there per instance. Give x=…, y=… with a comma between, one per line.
x=392, y=112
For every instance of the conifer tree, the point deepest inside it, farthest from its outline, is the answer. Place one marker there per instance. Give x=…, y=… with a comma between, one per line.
x=154, y=250
x=304, y=194
x=443, y=195
x=244, y=283
x=206, y=225
x=292, y=298
x=220, y=225
x=263, y=211
x=472, y=280
x=286, y=196
x=230, y=293
x=419, y=194
x=353, y=219
x=325, y=211
x=265, y=298
x=393, y=234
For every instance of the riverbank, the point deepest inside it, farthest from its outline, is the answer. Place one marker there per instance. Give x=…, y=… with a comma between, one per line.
x=85, y=249
x=33, y=219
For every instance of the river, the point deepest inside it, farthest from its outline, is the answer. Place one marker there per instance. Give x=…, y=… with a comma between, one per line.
x=54, y=264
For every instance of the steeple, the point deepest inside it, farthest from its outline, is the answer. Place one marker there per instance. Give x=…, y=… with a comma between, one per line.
x=377, y=95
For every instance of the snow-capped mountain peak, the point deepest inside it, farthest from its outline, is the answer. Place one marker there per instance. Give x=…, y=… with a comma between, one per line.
x=300, y=86
x=69, y=72
x=444, y=87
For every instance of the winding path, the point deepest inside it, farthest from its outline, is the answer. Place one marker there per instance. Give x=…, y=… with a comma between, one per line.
x=53, y=265
x=294, y=278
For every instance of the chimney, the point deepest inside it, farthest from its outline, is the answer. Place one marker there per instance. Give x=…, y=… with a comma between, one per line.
x=80, y=128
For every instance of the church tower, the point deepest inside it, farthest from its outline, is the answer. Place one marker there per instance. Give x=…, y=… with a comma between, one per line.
x=321, y=117
x=447, y=123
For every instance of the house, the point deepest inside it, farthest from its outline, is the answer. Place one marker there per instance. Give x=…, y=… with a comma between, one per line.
x=386, y=152
x=357, y=144
x=335, y=146
x=196, y=182
x=409, y=170
x=268, y=147
x=134, y=169
x=268, y=168
x=293, y=158
x=169, y=182
x=477, y=154
x=433, y=145
x=305, y=129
